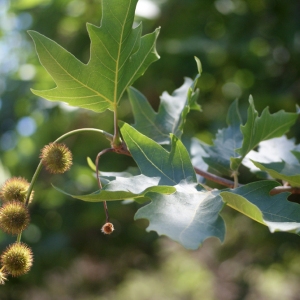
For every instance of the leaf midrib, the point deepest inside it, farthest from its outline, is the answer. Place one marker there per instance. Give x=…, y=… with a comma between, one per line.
x=74, y=78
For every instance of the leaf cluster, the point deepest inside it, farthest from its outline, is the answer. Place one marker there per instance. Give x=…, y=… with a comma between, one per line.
x=177, y=204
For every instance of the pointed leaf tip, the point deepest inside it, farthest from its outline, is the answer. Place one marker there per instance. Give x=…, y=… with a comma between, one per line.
x=119, y=55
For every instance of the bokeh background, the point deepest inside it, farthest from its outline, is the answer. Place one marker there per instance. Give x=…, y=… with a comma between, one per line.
x=246, y=47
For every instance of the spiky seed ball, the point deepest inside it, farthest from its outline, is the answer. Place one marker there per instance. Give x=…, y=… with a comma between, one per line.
x=107, y=228
x=17, y=259
x=14, y=217
x=57, y=158
x=2, y=276
x=15, y=188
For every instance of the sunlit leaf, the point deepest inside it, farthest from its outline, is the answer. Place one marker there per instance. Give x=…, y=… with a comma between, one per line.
x=154, y=161
x=120, y=188
x=273, y=150
x=188, y=216
x=171, y=114
x=119, y=55
x=254, y=200
x=258, y=129
x=282, y=170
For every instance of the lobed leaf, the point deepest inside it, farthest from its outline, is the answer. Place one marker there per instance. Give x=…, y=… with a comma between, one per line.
x=171, y=114
x=120, y=188
x=226, y=142
x=189, y=216
x=262, y=128
x=282, y=170
x=254, y=200
x=119, y=55
x=154, y=161
x=273, y=150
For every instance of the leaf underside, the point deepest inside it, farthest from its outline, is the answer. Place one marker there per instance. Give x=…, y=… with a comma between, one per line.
x=191, y=214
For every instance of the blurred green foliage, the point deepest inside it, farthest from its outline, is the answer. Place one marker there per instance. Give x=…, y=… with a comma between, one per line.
x=246, y=47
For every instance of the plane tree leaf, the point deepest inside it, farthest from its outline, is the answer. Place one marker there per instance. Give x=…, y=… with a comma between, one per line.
x=282, y=170
x=119, y=55
x=226, y=142
x=273, y=150
x=171, y=114
x=258, y=129
x=154, y=161
x=254, y=200
x=189, y=216
x=120, y=188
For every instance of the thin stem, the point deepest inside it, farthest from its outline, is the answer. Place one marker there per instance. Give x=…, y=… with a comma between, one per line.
x=214, y=178
x=40, y=165
x=116, y=143
x=231, y=184
x=73, y=132
x=98, y=178
x=235, y=179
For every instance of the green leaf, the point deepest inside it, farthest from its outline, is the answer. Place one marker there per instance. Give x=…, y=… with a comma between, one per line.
x=197, y=153
x=282, y=170
x=226, y=142
x=154, y=161
x=119, y=55
x=262, y=128
x=171, y=114
x=120, y=188
x=273, y=150
x=188, y=216
x=254, y=200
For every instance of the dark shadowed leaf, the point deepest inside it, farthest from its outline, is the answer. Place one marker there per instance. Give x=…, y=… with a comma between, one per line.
x=171, y=114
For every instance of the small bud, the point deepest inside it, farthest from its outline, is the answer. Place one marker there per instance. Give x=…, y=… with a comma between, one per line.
x=107, y=228
x=57, y=158
x=17, y=259
x=14, y=217
x=15, y=188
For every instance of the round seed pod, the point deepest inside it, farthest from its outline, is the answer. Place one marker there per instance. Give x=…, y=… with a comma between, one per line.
x=57, y=158
x=107, y=228
x=14, y=217
x=15, y=188
x=2, y=276
x=17, y=259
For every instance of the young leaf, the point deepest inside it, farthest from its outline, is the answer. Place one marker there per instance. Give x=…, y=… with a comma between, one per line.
x=171, y=114
x=119, y=55
x=262, y=128
x=226, y=142
x=254, y=200
x=154, y=161
x=282, y=170
x=120, y=188
x=188, y=216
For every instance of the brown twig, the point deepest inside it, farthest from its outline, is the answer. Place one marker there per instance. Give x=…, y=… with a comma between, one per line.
x=230, y=184
x=215, y=178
